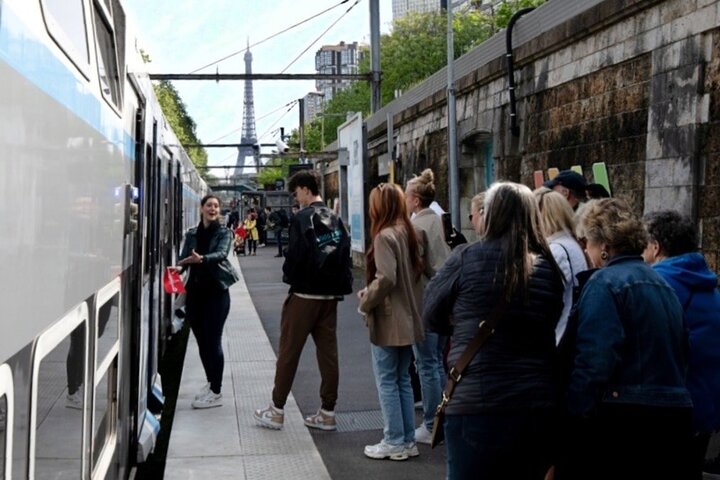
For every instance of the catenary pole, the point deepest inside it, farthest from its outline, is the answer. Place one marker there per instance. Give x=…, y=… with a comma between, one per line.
x=453, y=173
x=375, y=54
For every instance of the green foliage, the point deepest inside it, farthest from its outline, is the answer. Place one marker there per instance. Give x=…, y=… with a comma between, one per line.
x=280, y=170
x=181, y=122
x=504, y=12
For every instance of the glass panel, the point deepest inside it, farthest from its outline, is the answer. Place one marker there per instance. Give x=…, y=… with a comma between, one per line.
x=107, y=61
x=60, y=402
x=108, y=320
x=66, y=20
x=3, y=433
x=105, y=410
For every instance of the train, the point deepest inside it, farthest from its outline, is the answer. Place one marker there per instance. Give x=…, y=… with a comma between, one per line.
x=95, y=193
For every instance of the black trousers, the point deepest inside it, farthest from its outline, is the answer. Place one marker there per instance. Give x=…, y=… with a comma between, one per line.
x=207, y=310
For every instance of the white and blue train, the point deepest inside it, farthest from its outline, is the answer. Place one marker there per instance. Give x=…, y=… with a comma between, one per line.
x=94, y=195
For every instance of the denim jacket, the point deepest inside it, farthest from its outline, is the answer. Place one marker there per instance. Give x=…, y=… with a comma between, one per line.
x=220, y=245
x=631, y=346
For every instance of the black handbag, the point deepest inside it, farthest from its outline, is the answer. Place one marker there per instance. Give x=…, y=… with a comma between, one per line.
x=485, y=330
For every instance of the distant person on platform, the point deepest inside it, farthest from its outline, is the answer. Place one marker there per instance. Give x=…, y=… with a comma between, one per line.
x=570, y=185
x=274, y=224
x=596, y=191
x=318, y=269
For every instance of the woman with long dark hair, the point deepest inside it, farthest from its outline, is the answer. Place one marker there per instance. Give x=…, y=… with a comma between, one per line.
x=391, y=305
x=205, y=251
x=501, y=417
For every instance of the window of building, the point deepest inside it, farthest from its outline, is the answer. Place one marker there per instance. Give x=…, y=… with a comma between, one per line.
x=65, y=21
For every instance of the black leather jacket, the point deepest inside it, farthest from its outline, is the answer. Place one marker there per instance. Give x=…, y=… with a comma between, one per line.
x=317, y=261
x=216, y=258
x=515, y=368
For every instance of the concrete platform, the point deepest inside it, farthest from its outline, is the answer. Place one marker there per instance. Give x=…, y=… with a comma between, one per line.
x=225, y=443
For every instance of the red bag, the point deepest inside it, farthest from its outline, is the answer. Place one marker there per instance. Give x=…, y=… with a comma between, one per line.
x=172, y=281
x=241, y=232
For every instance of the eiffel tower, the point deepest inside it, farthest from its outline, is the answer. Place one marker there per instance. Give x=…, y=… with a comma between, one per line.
x=249, y=135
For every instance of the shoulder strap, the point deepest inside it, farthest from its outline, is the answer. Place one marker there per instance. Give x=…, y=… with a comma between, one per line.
x=485, y=331
x=572, y=272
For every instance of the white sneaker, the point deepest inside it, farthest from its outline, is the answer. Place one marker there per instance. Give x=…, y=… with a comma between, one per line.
x=423, y=435
x=209, y=400
x=270, y=417
x=384, y=450
x=203, y=391
x=322, y=420
x=411, y=449
x=418, y=405
x=75, y=400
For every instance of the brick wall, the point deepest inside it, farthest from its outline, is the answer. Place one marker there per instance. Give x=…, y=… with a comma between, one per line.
x=709, y=198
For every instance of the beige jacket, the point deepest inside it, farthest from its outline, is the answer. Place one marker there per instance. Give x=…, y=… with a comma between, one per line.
x=429, y=226
x=393, y=302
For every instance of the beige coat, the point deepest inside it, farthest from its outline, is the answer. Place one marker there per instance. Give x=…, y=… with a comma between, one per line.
x=393, y=302
x=429, y=226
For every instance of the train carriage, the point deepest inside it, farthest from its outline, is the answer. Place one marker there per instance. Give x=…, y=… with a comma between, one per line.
x=94, y=195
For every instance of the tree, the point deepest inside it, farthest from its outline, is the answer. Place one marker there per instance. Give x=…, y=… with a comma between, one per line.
x=280, y=169
x=181, y=122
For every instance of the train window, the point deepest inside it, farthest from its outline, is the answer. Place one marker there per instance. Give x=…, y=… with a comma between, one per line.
x=6, y=421
x=108, y=320
x=58, y=412
x=65, y=21
x=107, y=57
x=104, y=420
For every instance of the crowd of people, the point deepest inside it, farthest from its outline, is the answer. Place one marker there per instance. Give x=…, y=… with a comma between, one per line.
x=599, y=358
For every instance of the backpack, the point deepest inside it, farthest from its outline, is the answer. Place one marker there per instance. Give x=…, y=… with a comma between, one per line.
x=331, y=250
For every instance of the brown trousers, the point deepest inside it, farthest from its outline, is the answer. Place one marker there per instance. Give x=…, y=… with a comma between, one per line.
x=302, y=317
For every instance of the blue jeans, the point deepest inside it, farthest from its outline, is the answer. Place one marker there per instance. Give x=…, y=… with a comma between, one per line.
x=429, y=365
x=390, y=365
x=500, y=445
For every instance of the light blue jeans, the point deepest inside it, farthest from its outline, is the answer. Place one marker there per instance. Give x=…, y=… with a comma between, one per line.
x=390, y=365
x=429, y=365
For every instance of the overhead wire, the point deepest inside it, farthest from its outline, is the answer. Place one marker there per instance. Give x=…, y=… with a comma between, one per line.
x=271, y=36
x=261, y=117
x=269, y=129
x=320, y=36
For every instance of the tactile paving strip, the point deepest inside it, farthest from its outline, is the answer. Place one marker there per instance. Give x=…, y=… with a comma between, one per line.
x=359, y=421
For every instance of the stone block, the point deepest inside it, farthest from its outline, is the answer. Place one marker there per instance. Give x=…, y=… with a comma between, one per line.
x=669, y=172
x=647, y=20
x=679, y=198
x=709, y=201
x=674, y=9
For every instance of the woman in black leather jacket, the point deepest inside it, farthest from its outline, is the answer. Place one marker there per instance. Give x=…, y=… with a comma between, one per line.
x=500, y=419
x=205, y=251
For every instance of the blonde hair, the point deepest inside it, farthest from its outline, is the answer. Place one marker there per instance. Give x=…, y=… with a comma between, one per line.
x=423, y=187
x=612, y=222
x=556, y=214
x=476, y=203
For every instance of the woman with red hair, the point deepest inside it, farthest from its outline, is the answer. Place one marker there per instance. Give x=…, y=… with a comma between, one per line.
x=391, y=303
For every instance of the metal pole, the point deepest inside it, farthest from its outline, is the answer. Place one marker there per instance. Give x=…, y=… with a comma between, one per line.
x=301, y=105
x=375, y=55
x=453, y=173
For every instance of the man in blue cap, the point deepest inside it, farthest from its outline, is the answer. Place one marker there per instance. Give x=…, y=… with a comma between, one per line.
x=570, y=185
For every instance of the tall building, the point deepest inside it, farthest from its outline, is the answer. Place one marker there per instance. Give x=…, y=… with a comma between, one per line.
x=334, y=59
x=313, y=105
x=403, y=7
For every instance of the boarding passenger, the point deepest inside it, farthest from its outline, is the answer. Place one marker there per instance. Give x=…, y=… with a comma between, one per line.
x=501, y=419
x=570, y=185
x=391, y=305
x=630, y=411
x=318, y=269
x=673, y=253
x=556, y=218
x=205, y=252
x=419, y=194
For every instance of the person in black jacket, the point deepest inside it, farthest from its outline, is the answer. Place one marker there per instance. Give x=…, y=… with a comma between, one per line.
x=205, y=251
x=501, y=417
x=318, y=269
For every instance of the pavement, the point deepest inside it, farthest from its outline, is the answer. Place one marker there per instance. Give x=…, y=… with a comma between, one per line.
x=224, y=443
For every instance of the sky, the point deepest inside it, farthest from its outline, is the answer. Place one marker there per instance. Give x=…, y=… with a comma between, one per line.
x=183, y=35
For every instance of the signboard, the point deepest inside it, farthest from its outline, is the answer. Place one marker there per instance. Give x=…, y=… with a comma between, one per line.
x=350, y=137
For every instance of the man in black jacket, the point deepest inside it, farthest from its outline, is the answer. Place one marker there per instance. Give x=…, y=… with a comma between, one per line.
x=318, y=269
x=274, y=224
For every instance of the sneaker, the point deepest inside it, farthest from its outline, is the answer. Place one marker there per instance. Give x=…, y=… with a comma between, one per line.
x=203, y=391
x=418, y=405
x=270, y=417
x=384, y=450
x=411, y=449
x=423, y=435
x=322, y=420
x=209, y=400
x=74, y=400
